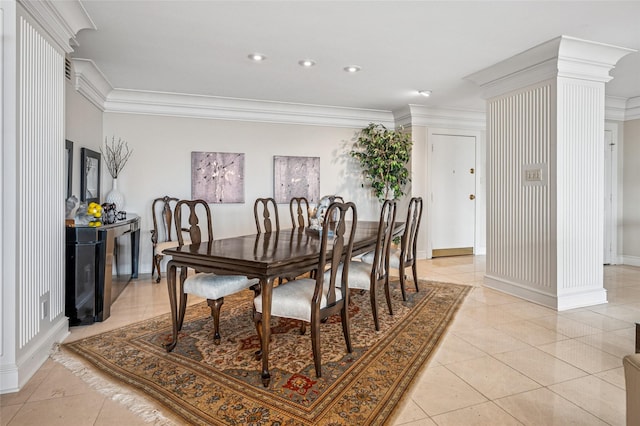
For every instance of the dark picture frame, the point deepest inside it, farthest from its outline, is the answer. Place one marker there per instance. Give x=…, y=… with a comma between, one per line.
x=90, y=176
x=68, y=145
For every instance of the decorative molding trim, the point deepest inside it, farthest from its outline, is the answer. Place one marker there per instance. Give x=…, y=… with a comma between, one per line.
x=440, y=117
x=614, y=108
x=560, y=57
x=213, y=107
x=62, y=20
x=631, y=260
x=560, y=303
x=597, y=296
x=90, y=82
x=14, y=376
x=94, y=85
x=632, y=109
x=523, y=292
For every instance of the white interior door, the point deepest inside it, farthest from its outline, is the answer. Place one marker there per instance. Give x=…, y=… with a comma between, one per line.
x=608, y=197
x=453, y=184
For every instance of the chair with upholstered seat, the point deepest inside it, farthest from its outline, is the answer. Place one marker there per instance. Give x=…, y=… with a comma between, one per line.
x=405, y=256
x=265, y=211
x=299, y=210
x=210, y=286
x=369, y=276
x=163, y=234
x=314, y=299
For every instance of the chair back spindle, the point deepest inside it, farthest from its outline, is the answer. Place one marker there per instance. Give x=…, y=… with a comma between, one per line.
x=194, y=227
x=339, y=244
x=265, y=211
x=380, y=270
x=409, y=241
x=162, y=215
x=299, y=210
x=163, y=232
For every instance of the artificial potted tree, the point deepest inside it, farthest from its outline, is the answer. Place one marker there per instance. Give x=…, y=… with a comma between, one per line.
x=384, y=156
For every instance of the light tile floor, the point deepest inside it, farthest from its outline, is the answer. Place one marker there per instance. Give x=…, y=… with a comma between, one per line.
x=503, y=361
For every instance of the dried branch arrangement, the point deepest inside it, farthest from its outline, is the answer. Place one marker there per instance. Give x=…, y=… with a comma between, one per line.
x=116, y=155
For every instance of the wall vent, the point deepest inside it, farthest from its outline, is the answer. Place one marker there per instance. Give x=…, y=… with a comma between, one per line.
x=67, y=69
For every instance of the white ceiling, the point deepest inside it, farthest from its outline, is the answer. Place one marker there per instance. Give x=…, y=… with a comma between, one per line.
x=201, y=47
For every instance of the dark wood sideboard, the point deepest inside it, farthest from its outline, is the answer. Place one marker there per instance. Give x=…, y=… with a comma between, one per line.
x=90, y=285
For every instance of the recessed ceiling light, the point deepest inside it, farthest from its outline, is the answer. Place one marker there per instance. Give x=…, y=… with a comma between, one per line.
x=352, y=68
x=307, y=63
x=425, y=93
x=257, y=57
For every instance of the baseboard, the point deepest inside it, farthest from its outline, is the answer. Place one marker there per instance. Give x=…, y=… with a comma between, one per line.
x=13, y=377
x=560, y=303
x=518, y=290
x=8, y=378
x=631, y=260
x=582, y=299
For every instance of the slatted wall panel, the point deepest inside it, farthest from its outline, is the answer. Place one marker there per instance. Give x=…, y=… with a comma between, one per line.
x=580, y=185
x=518, y=225
x=40, y=207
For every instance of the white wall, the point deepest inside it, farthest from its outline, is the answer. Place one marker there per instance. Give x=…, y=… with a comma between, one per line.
x=631, y=190
x=161, y=165
x=83, y=126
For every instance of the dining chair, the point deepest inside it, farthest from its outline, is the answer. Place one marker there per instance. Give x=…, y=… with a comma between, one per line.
x=299, y=210
x=405, y=256
x=369, y=276
x=314, y=299
x=265, y=211
x=210, y=286
x=163, y=234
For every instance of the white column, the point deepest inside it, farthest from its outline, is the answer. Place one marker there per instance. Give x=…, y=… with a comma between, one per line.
x=32, y=198
x=545, y=124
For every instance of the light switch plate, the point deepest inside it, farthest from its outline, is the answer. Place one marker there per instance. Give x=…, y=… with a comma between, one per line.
x=534, y=174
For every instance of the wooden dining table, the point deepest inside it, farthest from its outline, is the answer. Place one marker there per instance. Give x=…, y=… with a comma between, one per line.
x=266, y=256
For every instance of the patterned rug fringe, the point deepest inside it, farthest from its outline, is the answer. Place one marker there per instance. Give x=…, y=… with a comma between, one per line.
x=134, y=402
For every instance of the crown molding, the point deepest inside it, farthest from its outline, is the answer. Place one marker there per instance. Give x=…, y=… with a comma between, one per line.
x=615, y=108
x=560, y=57
x=223, y=108
x=441, y=117
x=62, y=20
x=633, y=109
x=621, y=109
x=90, y=82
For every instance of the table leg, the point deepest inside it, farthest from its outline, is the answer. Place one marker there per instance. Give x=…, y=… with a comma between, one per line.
x=171, y=286
x=267, y=288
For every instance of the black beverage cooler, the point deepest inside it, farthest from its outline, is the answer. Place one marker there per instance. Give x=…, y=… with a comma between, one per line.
x=85, y=254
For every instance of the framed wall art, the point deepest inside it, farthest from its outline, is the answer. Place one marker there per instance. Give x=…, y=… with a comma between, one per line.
x=217, y=177
x=68, y=146
x=90, y=176
x=296, y=177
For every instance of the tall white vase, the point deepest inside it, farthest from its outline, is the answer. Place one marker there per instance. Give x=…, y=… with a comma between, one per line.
x=115, y=197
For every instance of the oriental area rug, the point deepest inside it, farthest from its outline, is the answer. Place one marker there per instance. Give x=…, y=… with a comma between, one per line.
x=205, y=384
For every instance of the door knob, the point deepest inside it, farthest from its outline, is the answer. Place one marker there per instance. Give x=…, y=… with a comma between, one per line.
x=472, y=197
